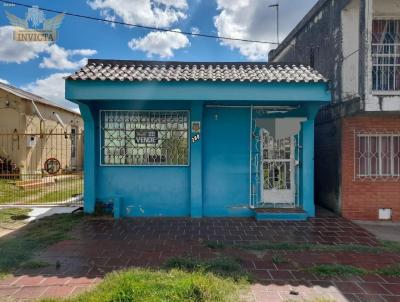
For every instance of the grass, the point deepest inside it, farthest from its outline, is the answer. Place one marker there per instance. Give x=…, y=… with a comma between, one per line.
x=221, y=266
x=63, y=191
x=13, y=216
x=59, y=191
x=278, y=259
x=330, y=270
x=9, y=191
x=159, y=286
x=385, y=246
x=392, y=271
x=22, y=246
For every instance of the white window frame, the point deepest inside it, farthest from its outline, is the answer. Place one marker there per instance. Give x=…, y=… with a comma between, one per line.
x=379, y=157
x=385, y=52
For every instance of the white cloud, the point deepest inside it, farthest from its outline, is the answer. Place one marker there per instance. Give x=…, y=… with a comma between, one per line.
x=60, y=58
x=195, y=30
x=51, y=88
x=158, y=13
x=159, y=43
x=4, y=81
x=254, y=20
x=20, y=52
x=17, y=52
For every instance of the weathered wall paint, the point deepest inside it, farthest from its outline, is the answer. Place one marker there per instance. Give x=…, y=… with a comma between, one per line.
x=226, y=162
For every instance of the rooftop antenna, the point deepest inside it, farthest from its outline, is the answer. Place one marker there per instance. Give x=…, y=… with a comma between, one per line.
x=276, y=5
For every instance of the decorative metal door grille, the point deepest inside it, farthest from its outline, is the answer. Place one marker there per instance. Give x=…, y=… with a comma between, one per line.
x=277, y=163
x=377, y=156
x=144, y=138
x=386, y=55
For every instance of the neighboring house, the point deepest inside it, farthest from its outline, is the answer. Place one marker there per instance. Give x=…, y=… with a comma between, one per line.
x=355, y=44
x=199, y=139
x=33, y=130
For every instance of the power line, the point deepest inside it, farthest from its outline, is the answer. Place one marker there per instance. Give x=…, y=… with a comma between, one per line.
x=139, y=26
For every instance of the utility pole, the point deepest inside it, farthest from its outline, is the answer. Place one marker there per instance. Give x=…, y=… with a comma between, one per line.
x=277, y=19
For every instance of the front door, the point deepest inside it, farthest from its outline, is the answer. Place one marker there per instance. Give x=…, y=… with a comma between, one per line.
x=277, y=167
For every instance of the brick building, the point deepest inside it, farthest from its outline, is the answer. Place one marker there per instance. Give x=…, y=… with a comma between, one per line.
x=356, y=44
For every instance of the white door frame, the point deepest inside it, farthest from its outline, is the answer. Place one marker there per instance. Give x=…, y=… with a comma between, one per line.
x=280, y=193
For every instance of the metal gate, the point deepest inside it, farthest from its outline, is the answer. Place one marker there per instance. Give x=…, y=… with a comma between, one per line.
x=41, y=168
x=277, y=169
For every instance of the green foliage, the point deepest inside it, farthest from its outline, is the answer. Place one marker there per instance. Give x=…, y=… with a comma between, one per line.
x=221, y=266
x=32, y=238
x=392, y=271
x=33, y=264
x=329, y=270
x=159, y=286
x=386, y=246
x=10, y=216
x=278, y=259
x=215, y=245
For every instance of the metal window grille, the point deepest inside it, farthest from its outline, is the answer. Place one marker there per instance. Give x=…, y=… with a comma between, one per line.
x=377, y=156
x=150, y=138
x=386, y=55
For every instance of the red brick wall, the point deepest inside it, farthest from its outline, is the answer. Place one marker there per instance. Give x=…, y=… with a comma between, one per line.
x=362, y=199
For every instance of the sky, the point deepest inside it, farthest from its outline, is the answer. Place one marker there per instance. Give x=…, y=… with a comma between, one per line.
x=39, y=67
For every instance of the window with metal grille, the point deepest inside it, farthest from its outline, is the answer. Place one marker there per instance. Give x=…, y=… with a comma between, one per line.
x=148, y=138
x=386, y=55
x=377, y=155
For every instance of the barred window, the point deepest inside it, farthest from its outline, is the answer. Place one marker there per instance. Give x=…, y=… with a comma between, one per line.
x=377, y=155
x=144, y=138
x=386, y=55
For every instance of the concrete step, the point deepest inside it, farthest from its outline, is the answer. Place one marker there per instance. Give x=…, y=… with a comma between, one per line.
x=280, y=214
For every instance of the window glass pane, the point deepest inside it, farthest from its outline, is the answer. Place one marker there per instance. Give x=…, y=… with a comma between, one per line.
x=373, y=155
x=362, y=155
x=385, y=155
x=396, y=155
x=144, y=137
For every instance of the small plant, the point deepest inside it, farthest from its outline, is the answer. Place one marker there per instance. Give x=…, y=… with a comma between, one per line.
x=222, y=266
x=215, y=245
x=392, y=271
x=278, y=259
x=329, y=270
x=33, y=264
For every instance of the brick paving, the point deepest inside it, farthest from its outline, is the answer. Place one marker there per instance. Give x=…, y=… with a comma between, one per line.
x=103, y=245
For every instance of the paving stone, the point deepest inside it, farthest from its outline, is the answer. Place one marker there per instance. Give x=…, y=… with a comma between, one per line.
x=393, y=288
x=29, y=292
x=373, y=288
x=57, y=291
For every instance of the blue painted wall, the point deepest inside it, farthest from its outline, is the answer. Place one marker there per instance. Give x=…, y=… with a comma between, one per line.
x=217, y=181
x=144, y=191
x=226, y=168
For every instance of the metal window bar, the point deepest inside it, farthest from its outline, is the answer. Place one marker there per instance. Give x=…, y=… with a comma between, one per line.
x=40, y=168
x=144, y=138
x=385, y=55
x=376, y=156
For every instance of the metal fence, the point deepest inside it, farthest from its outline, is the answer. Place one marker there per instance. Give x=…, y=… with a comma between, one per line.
x=41, y=168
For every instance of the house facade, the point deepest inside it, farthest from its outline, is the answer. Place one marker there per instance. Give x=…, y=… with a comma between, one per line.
x=201, y=139
x=37, y=136
x=355, y=44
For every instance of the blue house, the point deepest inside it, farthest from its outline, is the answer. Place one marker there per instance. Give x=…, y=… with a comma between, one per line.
x=197, y=139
